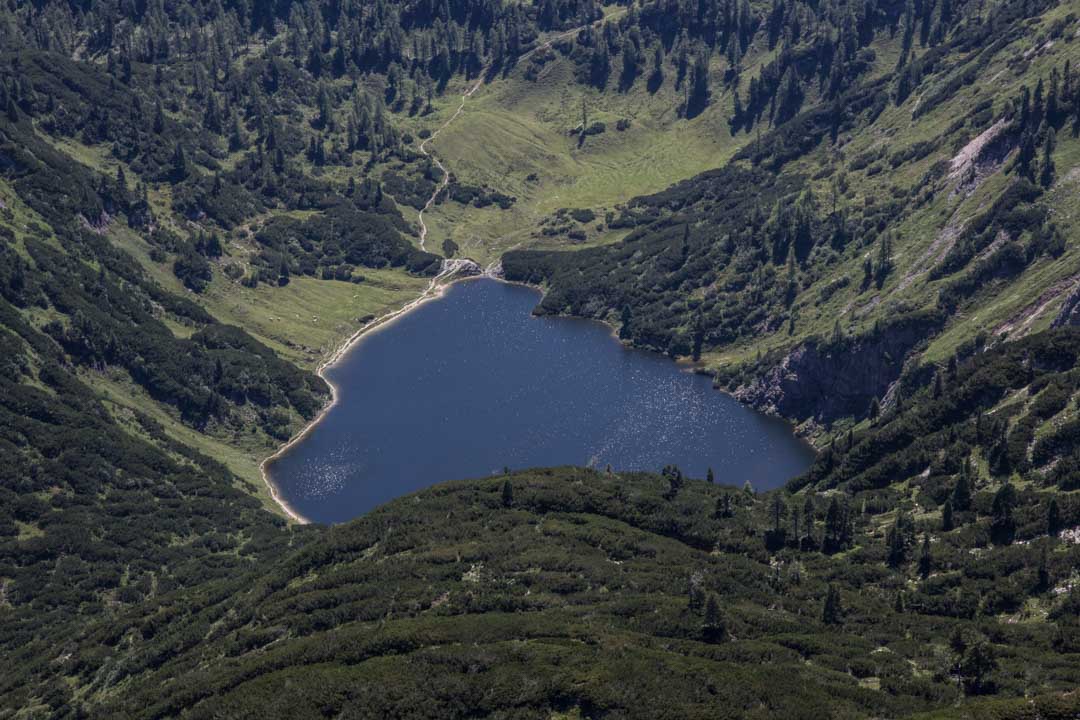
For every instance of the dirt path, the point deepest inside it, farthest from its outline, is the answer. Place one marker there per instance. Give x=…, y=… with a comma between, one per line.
x=445, y=173
x=546, y=45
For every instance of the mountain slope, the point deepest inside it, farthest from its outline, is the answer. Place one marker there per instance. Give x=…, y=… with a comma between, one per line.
x=913, y=212
x=576, y=591
x=882, y=257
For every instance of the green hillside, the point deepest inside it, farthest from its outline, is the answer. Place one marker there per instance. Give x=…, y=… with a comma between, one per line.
x=905, y=196
x=572, y=591
x=857, y=215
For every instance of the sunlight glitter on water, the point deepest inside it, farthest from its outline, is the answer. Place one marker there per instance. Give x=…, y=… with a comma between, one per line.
x=471, y=383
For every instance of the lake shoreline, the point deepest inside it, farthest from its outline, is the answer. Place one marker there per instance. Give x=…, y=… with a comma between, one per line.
x=279, y=477
x=691, y=366
x=437, y=289
x=434, y=291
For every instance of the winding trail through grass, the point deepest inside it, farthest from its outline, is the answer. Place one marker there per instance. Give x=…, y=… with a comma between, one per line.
x=438, y=163
x=546, y=45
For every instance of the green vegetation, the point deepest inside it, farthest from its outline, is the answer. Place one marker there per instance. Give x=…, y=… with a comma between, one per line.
x=857, y=215
x=516, y=137
x=628, y=594
x=903, y=209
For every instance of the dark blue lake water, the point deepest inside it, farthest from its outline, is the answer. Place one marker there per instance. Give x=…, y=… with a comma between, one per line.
x=471, y=383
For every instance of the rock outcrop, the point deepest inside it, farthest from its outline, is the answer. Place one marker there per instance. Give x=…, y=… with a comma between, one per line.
x=1069, y=315
x=830, y=380
x=460, y=268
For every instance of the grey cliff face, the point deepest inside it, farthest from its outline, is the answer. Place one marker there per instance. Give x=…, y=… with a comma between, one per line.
x=826, y=381
x=1069, y=315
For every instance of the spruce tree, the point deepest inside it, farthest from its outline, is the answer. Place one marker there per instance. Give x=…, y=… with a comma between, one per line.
x=789, y=98
x=875, y=409
x=961, y=494
x=213, y=246
x=674, y=477
x=713, y=627
x=1076, y=113
x=698, y=94
x=974, y=666
x=1002, y=525
x=1053, y=107
x=925, y=559
x=656, y=78
x=896, y=541
x=837, y=535
x=792, y=289
x=947, y=521
x=1043, y=572
x=236, y=135
x=777, y=513
x=179, y=163
x=808, y=520
x=884, y=262
x=1025, y=157
x=832, y=613
x=1046, y=167
x=624, y=322
x=212, y=116
x=1053, y=517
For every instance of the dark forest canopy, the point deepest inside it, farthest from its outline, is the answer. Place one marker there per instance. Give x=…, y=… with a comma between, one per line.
x=415, y=47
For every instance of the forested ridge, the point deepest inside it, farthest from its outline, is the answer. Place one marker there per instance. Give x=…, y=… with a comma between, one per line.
x=888, y=258
x=805, y=216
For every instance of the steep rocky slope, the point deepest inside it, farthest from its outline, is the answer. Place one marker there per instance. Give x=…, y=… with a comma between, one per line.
x=926, y=205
